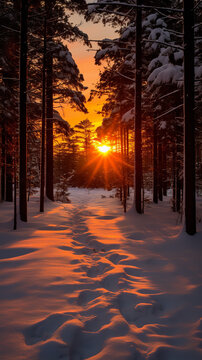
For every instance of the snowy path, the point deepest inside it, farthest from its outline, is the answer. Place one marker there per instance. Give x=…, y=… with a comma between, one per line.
x=82, y=281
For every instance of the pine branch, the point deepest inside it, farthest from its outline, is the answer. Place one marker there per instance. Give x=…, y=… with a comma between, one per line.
x=136, y=6
x=165, y=44
x=169, y=111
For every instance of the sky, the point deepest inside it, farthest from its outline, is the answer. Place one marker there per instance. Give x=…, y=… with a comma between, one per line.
x=90, y=71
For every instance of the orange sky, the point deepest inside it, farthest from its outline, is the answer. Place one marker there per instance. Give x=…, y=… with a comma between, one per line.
x=85, y=62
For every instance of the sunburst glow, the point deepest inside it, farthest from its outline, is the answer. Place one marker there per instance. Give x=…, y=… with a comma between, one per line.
x=104, y=149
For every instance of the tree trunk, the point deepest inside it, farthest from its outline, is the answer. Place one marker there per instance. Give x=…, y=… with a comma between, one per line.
x=160, y=179
x=15, y=191
x=127, y=142
x=43, y=127
x=9, y=178
x=49, y=113
x=138, y=112
x=164, y=159
x=189, y=141
x=155, y=169
x=178, y=192
x=174, y=177
x=124, y=170
x=23, y=112
x=3, y=162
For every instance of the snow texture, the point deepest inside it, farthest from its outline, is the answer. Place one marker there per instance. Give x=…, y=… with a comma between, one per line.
x=83, y=281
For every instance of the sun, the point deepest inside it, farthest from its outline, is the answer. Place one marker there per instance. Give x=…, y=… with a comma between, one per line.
x=104, y=149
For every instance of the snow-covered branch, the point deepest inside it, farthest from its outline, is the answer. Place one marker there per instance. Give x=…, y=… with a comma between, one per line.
x=124, y=76
x=164, y=44
x=169, y=111
x=117, y=3
x=171, y=93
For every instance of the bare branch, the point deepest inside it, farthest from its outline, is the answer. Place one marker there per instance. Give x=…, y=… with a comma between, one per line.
x=11, y=29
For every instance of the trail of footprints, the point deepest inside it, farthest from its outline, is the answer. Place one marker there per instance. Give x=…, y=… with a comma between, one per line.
x=107, y=307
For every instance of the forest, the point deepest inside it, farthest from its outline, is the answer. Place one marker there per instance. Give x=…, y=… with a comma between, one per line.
x=100, y=180
x=151, y=80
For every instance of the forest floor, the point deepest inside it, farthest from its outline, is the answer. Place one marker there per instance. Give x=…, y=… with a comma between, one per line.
x=85, y=281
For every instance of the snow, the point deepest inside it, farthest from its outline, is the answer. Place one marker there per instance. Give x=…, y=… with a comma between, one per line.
x=168, y=73
x=162, y=125
x=129, y=31
x=129, y=115
x=149, y=19
x=198, y=71
x=58, y=117
x=84, y=281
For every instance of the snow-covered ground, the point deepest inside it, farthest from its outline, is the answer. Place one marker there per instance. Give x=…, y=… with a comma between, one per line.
x=84, y=281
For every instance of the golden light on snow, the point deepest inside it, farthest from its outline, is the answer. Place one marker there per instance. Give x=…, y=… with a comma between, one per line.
x=104, y=148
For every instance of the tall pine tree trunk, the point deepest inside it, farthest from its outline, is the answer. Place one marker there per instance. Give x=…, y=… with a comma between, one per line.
x=189, y=177
x=9, y=177
x=23, y=111
x=164, y=159
x=15, y=193
x=174, y=176
x=3, y=162
x=160, y=172
x=138, y=112
x=127, y=142
x=178, y=172
x=49, y=113
x=155, y=169
x=43, y=127
x=124, y=170
x=122, y=165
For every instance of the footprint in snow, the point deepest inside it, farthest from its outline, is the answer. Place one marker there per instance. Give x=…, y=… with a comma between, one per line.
x=114, y=282
x=70, y=330
x=98, y=321
x=134, y=310
x=87, y=296
x=54, y=350
x=115, y=258
x=99, y=269
x=44, y=329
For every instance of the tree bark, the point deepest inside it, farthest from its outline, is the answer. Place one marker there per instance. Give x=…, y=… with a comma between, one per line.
x=174, y=177
x=15, y=193
x=128, y=176
x=3, y=162
x=155, y=164
x=43, y=127
x=189, y=134
x=178, y=192
x=160, y=178
x=9, y=178
x=164, y=159
x=124, y=170
x=49, y=114
x=138, y=112
x=23, y=112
